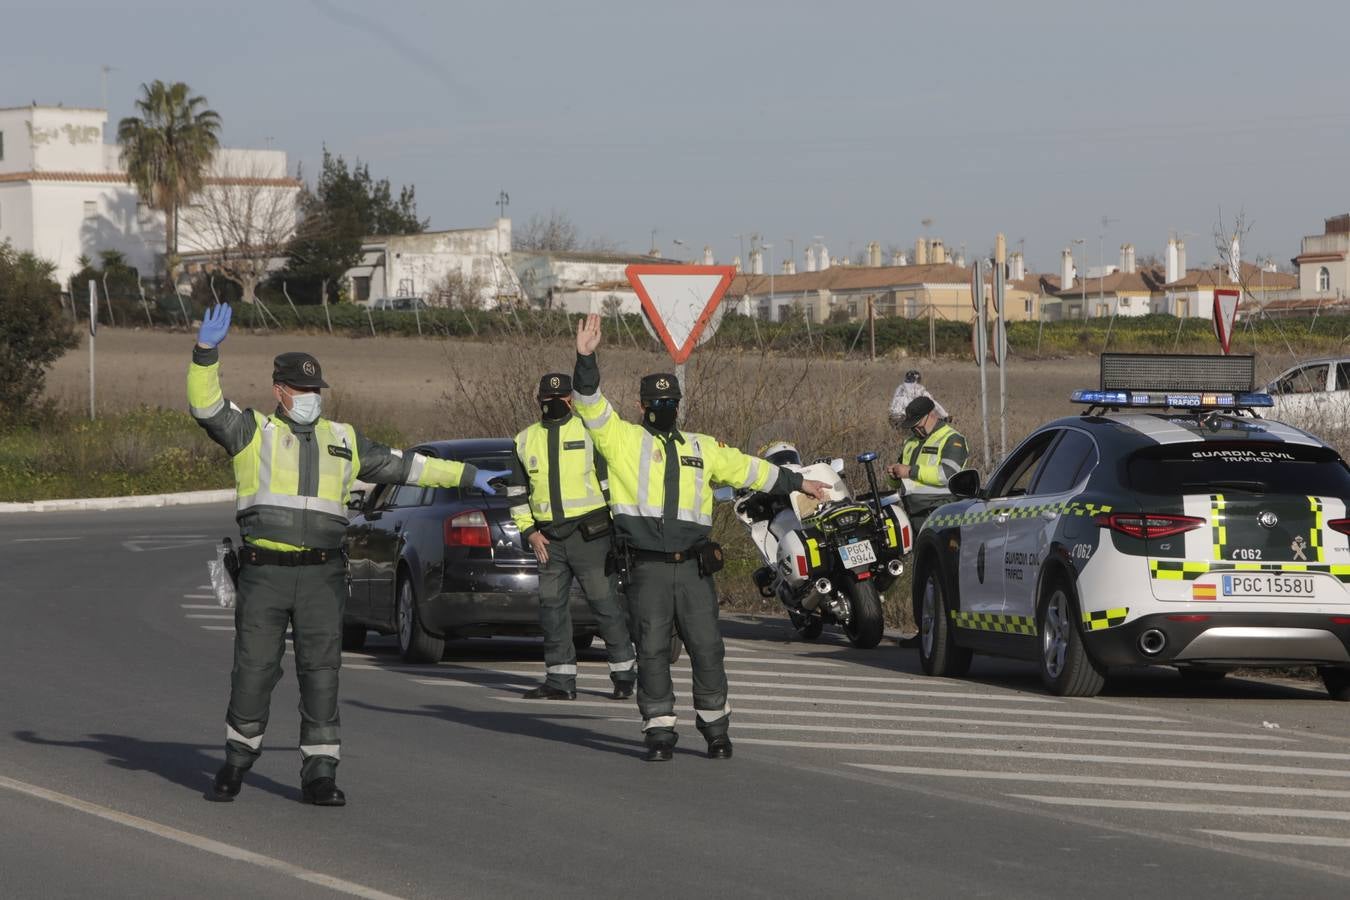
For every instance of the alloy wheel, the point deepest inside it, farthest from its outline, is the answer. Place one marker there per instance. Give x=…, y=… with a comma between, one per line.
x=1055, y=635
x=928, y=616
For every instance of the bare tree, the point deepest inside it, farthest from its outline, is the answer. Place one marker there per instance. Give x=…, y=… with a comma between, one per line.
x=557, y=231
x=241, y=223
x=459, y=291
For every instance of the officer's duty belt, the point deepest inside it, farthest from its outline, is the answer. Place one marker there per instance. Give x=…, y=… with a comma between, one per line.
x=678, y=556
x=262, y=556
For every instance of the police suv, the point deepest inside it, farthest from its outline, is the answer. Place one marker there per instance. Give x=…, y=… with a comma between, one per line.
x=1168, y=524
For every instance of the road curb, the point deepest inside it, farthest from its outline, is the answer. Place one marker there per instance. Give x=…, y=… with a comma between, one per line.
x=143, y=501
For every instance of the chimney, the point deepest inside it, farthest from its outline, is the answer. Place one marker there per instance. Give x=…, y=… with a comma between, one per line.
x=736, y=264
x=708, y=258
x=824, y=262
x=1124, y=258
x=897, y=258
x=1171, y=265
x=960, y=260
x=756, y=262
x=789, y=267
x=1181, y=259
x=921, y=252
x=810, y=259
x=1019, y=267
x=1066, y=269
x=1131, y=266
x=937, y=252
x=874, y=254
x=1235, y=260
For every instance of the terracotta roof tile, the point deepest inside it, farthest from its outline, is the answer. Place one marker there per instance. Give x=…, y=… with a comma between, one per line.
x=851, y=278
x=1250, y=274
x=121, y=178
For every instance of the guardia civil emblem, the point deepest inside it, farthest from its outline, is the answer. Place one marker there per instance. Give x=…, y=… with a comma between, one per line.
x=662, y=384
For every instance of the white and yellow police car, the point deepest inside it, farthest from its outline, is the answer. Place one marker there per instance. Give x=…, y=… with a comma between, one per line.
x=1169, y=524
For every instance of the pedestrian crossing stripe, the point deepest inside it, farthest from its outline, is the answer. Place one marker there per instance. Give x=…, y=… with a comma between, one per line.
x=1101, y=619
x=1029, y=511
x=994, y=622
x=1179, y=570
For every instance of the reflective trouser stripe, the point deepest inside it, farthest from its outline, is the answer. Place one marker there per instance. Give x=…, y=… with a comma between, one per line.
x=333, y=750
x=659, y=722
x=627, y=665
x=712, y=715
x=561, y=670
x=252, y=743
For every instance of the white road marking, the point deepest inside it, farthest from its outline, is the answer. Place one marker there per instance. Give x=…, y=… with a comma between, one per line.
x=187, y=838
x=1283, y=752
x=1257, y=837
x=812, y=688
x=1109, y=781
x=771, y=661
x=199, y=596
x=217, y=627
x=200, y=606
x=205, y=587
x=45, y=540
x=1210, y=809
x=219, y=615
x=940, y=751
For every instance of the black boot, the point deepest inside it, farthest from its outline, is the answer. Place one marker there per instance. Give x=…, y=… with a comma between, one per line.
x=323, y=792
x=660, y=744
x=549, y=692
x=719, y=747
x=623, y=690
x=226, y=785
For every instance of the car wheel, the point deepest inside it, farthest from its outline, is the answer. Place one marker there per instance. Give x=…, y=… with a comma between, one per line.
x=1337, y=681
x=353, y=637
x=413, y=641
x=938, y=652
x=582, y=642
x=1067, y=669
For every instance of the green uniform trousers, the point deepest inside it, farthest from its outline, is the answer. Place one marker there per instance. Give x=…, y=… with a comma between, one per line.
x=572, y=557
x=310, y=600
x=662, y=595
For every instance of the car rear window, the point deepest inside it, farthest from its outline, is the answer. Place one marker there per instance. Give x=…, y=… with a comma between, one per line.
x=504, y=460
x=1193, y=468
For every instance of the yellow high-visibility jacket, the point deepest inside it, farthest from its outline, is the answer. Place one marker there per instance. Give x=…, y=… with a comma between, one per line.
x=293, y=480
x=565, y=477
x=661, y=484
x=936, y=458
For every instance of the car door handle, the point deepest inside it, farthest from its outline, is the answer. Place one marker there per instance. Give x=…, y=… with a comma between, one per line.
x=398, y=528
x=1002, y=518
x=1050, y=515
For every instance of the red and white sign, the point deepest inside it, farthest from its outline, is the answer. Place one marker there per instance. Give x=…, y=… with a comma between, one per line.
x=1225, y=315
x=680, y=301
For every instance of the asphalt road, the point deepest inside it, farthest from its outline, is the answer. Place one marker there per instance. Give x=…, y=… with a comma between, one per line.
x=854, y=775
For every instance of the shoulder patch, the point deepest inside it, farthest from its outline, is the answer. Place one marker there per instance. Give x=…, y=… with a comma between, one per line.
x=344, y=452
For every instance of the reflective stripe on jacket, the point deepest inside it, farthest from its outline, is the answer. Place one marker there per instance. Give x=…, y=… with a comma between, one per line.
x=293, y=480
x=565, y=477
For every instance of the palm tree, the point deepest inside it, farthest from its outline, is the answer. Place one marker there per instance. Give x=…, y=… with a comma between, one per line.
x=167, y=149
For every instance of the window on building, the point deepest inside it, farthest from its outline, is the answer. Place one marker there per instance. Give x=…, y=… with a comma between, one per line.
x=1323, y=280
x=1026, y=306
x=90, y=209
x=2, y=146
x=361, y=287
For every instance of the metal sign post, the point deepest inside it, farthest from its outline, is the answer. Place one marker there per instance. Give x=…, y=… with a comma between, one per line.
x=981, y=343
x=93, y=330
x=1001, y=339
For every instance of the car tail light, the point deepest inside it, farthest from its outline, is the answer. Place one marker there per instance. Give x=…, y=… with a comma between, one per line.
x=1149, y=525
x=1341, y=525
x=1188, y=618
x=1340, y=620
x=468, y=529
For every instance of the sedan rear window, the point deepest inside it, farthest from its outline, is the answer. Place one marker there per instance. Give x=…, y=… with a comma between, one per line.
x=494, y=461
x=1195, y=468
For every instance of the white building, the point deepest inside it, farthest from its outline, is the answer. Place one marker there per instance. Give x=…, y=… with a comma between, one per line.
x=1324, y=261
x=419, y=265
x=580, y=281
x=64, y=192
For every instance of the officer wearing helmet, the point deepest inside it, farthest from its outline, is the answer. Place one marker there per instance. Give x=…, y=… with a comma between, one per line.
x=661, y=482
x=564, y=517
x=907, y=391
x=293, y=472
x=934, y=451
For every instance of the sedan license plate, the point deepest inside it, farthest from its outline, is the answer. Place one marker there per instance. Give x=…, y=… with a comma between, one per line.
x=858, y=554
x=1265, y=585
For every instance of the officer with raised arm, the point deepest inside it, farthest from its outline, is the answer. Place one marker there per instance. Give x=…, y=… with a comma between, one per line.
x=293, y=471
x=661, y=484
x=564, y=517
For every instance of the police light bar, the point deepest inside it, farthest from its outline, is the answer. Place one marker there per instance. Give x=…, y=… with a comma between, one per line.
x=1177, y=373
x=1174, y=400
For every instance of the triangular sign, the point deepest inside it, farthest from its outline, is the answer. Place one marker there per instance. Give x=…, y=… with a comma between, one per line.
x=679, y=301
x=1225, y=315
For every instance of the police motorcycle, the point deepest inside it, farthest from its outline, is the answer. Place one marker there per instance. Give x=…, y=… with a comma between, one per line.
x=827, y=562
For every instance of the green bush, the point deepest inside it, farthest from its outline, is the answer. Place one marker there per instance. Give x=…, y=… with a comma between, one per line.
x=33, y=331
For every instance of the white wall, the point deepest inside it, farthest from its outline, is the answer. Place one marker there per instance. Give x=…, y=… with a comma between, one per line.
x=18, y=149
x=61, y=233
x=67, y=140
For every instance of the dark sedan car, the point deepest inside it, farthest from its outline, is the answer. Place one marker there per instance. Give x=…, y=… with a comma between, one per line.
x=428, y=564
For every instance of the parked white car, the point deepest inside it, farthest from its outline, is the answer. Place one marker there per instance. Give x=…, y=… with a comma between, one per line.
x=1313, y=394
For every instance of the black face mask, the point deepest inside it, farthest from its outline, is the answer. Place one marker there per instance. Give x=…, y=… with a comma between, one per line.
x=663, y=419
x=553, y=409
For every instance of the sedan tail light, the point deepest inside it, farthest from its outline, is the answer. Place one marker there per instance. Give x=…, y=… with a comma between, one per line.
x=1341, y=525
x=1149, y=526
x=468, y=529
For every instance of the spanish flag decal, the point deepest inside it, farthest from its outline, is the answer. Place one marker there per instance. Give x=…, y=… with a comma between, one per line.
x=1203, y=592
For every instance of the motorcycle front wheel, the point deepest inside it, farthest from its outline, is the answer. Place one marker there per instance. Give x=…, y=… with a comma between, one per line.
x=865, y=624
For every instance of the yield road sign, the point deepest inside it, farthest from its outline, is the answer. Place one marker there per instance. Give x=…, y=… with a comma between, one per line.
x=680, y=301
x=1225, y=314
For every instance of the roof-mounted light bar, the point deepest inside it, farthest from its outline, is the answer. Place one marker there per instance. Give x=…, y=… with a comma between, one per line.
x=1174, y=399
x=1177, y=373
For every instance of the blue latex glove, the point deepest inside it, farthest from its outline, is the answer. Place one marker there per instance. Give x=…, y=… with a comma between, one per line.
x=483, y=476
x=215, y=325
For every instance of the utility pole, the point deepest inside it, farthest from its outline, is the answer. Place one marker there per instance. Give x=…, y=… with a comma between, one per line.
x=872, y=324
x=503, y=201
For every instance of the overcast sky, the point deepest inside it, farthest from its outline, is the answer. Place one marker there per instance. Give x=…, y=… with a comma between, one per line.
x=849, y=120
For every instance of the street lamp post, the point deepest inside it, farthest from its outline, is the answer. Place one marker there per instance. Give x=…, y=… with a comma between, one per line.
x=1082, y=242
x=769, y=247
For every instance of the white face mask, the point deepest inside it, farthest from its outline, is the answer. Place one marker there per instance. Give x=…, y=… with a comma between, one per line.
x=306, y=408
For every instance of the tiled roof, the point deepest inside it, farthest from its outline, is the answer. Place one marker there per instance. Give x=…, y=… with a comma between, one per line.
x=121, y=178
x=1147, y=280
x=851, y=278
x=1251, y=275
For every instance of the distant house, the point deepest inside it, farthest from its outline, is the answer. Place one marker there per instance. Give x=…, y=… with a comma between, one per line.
x=1193, y=293
x=579, y=281
x=64, y=192
x=465, y=265
x=1323, y=270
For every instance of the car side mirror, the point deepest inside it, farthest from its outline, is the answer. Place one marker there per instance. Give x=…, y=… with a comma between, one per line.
x=965, y=484
x=356, y=500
